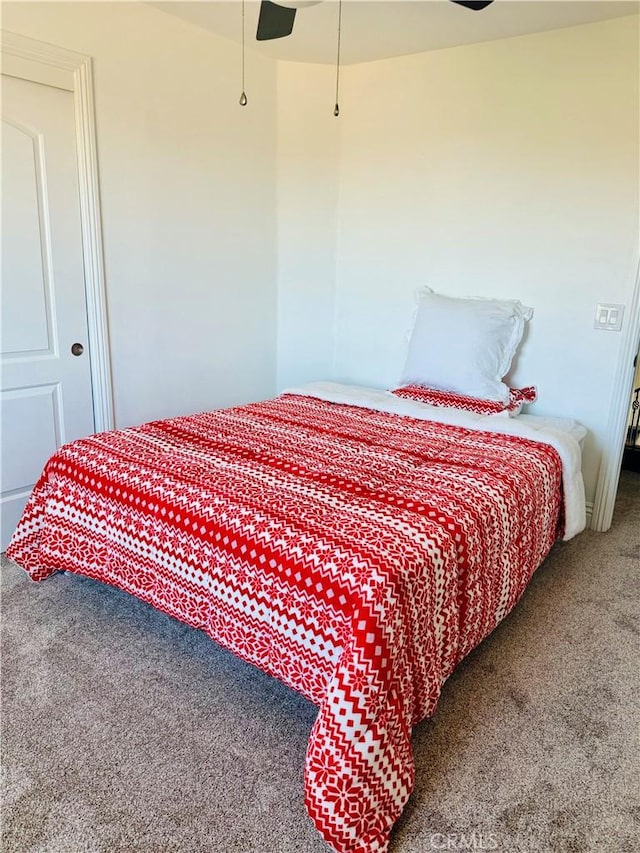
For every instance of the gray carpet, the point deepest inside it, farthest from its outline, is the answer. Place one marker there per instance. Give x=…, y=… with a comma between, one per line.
x=123, y=730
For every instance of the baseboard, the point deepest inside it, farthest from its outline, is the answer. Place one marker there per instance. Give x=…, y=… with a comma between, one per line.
x=589, y=507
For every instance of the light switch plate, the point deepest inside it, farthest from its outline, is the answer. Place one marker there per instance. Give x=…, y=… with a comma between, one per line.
x=608, y=316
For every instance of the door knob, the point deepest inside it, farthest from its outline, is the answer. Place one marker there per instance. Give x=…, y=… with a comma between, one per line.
x=77, y=349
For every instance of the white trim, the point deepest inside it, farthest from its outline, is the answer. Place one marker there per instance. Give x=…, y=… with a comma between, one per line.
x=589, y=512
x=614, y=443
x=92, y=249
x=38, y=72
x=41, y=61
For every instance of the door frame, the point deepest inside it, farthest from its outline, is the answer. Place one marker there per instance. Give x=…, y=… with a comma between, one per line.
x=51, y=65
x=609, y=474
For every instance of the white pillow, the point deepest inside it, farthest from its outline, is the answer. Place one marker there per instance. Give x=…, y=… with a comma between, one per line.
x=464, y=345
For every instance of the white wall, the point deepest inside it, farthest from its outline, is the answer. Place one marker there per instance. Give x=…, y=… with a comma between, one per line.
x=308, y=171
x=187, y=178
x=506, y=169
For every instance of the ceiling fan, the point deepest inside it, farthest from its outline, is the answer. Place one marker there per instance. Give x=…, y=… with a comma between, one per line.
x=276, y=19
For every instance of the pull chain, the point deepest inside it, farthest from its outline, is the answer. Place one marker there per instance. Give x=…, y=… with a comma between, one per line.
x=336, y=109
x=243, y=97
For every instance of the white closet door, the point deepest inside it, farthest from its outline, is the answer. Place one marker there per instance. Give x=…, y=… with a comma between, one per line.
x=46, y=388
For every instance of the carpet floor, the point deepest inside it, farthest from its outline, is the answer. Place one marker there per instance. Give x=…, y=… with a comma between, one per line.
x=123, y=730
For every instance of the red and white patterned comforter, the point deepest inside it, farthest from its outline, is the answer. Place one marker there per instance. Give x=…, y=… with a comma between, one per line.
x=356, y=555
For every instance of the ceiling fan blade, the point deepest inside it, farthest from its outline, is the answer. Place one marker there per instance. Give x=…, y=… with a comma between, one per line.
x=476, y=5
x=275, y=21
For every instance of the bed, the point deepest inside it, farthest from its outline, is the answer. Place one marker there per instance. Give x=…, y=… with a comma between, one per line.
x=352, y=543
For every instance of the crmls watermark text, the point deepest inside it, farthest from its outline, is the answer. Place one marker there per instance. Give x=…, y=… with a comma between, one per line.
x=473, y=841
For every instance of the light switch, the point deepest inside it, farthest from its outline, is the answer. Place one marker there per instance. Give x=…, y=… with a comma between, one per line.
x=608, y=316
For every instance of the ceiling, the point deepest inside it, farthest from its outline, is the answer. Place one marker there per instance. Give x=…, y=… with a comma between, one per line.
x=378, y=30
